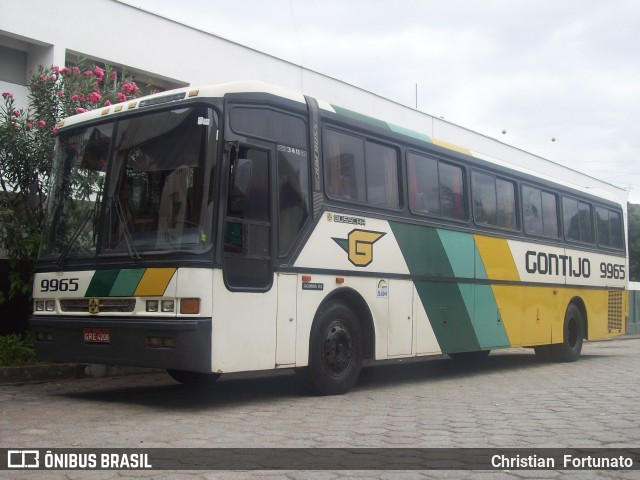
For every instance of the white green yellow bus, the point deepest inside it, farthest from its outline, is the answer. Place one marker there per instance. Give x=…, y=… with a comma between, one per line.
x=242, y=227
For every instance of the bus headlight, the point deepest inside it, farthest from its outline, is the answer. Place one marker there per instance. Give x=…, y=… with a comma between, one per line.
x=168, y=306
x=50, y=305
x=152, y=305
x=39, y=306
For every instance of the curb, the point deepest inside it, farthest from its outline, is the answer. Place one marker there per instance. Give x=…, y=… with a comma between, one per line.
x=51, y=372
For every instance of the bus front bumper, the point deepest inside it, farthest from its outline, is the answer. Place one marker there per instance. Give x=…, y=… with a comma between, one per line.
x=177, y=343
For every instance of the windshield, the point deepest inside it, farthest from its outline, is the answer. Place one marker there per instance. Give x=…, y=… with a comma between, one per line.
x=143, y=185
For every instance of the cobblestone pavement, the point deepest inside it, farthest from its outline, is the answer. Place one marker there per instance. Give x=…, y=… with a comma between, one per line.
x=511, y=400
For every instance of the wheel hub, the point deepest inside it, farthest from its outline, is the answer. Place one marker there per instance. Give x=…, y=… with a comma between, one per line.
x=337, y=348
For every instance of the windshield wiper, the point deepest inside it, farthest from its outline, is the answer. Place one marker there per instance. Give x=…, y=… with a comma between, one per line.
x=95, y=211
x=128, y=239
x=65, y=251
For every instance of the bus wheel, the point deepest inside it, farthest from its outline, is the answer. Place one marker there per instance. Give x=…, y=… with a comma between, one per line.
x=571, y=346
x=335, y=351
x=193, y=379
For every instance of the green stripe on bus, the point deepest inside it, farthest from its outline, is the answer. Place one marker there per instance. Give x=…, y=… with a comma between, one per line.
x=126, y=282
x=448, y=305
x=481, y=272
x=410, y=133
x=361, y=117
x=447, y=312
x=464, y=316
x=487, y=323
x=422, y=250
x=102, y=283
x=460, y=249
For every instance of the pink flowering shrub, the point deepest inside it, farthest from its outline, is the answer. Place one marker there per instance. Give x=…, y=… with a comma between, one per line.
x=26, y=147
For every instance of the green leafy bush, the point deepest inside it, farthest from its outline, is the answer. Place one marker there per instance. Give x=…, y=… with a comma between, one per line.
x=17, y=349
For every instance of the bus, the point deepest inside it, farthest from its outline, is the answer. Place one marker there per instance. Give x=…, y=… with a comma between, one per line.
x=244, y=227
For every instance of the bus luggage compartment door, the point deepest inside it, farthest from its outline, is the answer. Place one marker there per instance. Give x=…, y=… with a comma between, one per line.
x=286, y=320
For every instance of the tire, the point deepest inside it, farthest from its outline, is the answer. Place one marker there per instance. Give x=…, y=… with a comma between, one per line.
x=193, y=379
x=470, y=357
x=573, y=334
x=335, y=350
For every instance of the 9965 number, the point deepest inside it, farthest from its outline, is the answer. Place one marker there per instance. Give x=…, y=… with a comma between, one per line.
x=62, y=285
x=612, y=270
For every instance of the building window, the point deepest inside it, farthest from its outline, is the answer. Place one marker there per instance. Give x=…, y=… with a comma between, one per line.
x=147, y=83
x=13, y=66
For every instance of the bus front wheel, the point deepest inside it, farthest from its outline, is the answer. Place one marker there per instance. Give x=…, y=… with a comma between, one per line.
x=573, y=334
x=335, y=350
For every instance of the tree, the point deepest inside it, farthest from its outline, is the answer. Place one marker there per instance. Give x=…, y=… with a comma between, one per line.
x=633, y=212
x=27, y=138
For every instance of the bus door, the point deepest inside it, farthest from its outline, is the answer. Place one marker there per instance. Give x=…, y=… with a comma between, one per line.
x=246, y=234
x=244, y=327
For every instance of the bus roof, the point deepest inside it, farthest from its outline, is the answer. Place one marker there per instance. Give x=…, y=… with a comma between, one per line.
x=485, y=148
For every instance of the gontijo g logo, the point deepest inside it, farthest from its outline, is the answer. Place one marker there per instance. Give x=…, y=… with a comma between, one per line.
x=359, y=246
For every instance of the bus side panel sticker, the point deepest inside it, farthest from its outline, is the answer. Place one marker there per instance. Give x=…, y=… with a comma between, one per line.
x=102, y=283
x=422, y=249
x=154, y=282
x=449, y=317
x=497, y=258
x=126, y=282
x=448, y=304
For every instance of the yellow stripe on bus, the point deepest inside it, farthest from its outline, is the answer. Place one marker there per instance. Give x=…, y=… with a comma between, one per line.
x=451, y=146
x=497, y=258
x=154, y=282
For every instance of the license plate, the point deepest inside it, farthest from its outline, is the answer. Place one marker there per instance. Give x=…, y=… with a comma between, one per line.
x=96, y=335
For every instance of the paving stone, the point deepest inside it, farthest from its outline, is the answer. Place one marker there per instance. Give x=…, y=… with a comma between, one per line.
x=512, y=401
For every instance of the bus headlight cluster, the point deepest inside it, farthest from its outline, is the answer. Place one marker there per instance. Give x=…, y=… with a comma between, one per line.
x=188, y=306
x=45, y=305
x=164, y=306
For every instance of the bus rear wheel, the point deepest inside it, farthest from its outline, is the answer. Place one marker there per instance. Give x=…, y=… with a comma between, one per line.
x=573, y=334
x=335, y=350
x=193, y=379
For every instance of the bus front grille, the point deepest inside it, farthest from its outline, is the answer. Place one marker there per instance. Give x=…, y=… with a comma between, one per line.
x=104, y=305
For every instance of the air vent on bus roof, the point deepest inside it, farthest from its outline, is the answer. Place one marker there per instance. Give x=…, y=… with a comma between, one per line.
x=164, y=99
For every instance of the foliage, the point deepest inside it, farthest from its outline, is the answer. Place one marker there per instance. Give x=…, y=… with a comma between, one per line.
x=27, y=137
x=633, y=212
x=17, y=349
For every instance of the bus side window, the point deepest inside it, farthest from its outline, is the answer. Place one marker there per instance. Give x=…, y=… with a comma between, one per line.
x=577, y=220
x=293, y=196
